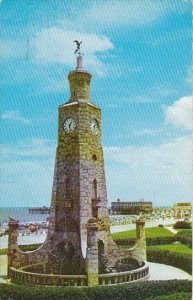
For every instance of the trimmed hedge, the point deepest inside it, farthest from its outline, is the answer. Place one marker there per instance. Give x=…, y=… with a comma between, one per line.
x=186, y=236
x=178, y=296
x=158, y=241
x=182, y=225
x=178, y=260
x=137, y=291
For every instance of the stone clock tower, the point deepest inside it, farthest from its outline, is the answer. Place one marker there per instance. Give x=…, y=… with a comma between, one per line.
x=79, y=245
x=79, y=188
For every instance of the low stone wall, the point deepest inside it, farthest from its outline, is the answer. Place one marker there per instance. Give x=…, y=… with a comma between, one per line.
x=21, y=276
x=124, y=277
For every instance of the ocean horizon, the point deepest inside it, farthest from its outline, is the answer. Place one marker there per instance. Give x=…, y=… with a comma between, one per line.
x=21, y=214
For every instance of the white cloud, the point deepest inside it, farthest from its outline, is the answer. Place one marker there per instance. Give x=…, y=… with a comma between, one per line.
x=56, y=45
x=161, y=173
x=180, y=113
x=119, y=13
x=14, y=115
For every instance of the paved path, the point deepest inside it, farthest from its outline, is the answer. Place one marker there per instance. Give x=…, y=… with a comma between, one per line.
x=165, y=272
x=171, y=229
x=34, y=238
x=24, y=240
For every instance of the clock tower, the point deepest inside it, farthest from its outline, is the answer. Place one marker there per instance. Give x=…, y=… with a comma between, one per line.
x=79, y=188
x=78, y=244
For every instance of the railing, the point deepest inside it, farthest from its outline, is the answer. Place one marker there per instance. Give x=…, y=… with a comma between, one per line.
x=124, y=277
x=20, y=276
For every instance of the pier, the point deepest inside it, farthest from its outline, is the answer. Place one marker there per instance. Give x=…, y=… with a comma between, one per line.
x=39, y=210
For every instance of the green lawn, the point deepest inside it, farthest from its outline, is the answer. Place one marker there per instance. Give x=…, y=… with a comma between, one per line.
x=152, y=232
x=178, y=248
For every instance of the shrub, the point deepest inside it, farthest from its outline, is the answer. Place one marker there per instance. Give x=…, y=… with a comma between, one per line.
x=185, y=233
x=182, y=225
x=185, y=236
x=179, y=296
x=18, y=292
x=178, y=260
x=157, y=241
x=175, y=247
x=137, y=291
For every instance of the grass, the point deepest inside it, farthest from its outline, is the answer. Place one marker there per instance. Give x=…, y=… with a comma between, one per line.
x=24, y=248
x=177, y=248
x=152, y=232
x=3, y=251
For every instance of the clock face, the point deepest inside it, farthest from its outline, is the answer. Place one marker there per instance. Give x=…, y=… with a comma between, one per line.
x=94, y=126
x=69, y=125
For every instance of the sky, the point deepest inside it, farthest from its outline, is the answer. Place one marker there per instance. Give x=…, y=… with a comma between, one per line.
x=139, y=54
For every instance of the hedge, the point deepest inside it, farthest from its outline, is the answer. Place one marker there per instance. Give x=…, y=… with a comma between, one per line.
x=186, y=236
x=182, y=225
x=178, y=260
x=137, y=291
x=178, y=296
x=157, y=241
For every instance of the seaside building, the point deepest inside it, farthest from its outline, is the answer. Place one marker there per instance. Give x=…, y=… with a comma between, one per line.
x=183, y=210
x=79, y=249
x=131, y=207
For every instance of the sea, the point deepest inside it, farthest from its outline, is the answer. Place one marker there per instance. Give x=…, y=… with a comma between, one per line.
x=20, y=213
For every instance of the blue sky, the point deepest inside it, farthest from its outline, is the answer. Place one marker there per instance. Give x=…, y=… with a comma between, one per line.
x=139, y=53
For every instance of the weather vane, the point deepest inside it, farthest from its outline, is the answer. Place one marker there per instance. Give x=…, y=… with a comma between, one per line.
x=77, y=47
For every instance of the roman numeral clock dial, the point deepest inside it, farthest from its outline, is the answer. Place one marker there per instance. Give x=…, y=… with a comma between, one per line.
x=69, y=125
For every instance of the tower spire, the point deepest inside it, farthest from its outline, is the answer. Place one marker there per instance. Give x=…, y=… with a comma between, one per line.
x=79, y=62
x=79, y=79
